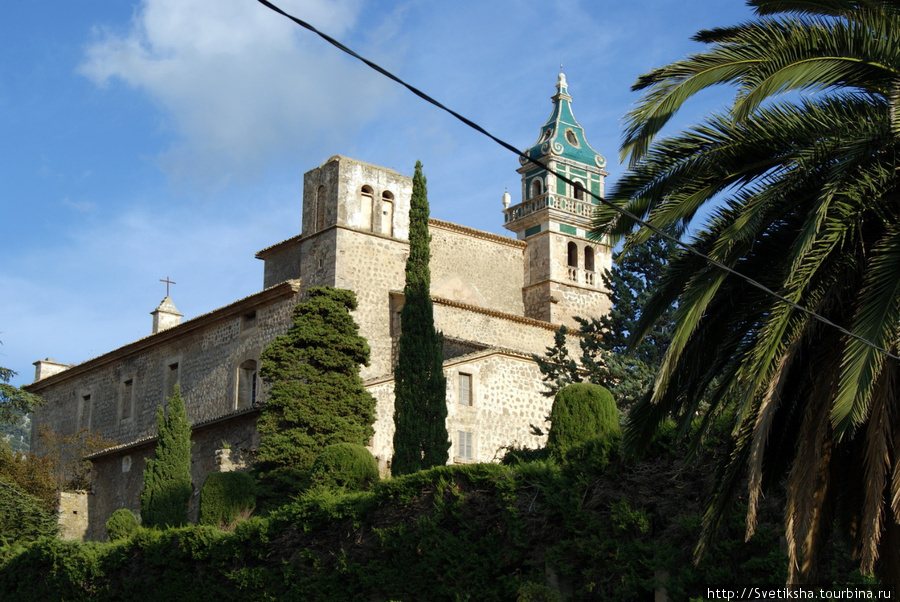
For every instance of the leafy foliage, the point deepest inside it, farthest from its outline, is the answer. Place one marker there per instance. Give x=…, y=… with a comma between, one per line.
x=62, y=466
x=581, y=412
x=316, y=396
x=613, y=353
x=345, y=465
x=447, y=533
x=225, y=497
x=121, y=524
x=420, y=404
x=167, y=475
x=35, y=476
x=806, y=189
x=14, y=402
x=23, y=517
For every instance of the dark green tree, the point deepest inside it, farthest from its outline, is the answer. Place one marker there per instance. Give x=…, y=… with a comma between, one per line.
x=23, y=518
x=612, y=351
x=167, y=475
x=420, y=388
x=802, y=169
x=316, y=396
x=15, y=404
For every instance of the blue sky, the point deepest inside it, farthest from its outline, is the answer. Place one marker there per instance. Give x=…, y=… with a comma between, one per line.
x=160, y=138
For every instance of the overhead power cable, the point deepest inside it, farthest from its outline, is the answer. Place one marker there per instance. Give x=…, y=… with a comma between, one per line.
x=620, y=210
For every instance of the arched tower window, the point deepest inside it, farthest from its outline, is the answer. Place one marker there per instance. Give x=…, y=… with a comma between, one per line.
x=537, y=187
x=573, y=255
x=573, y=262
x=320, y=209
x=588, y=259
x=387, y=213
x=367, y=202
x=246, y=386
x=579, y=191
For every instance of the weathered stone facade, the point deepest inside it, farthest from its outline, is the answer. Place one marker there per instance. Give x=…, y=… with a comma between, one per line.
x=497, y=300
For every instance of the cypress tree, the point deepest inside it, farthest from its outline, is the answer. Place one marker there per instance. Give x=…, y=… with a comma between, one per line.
x=316, y=396
x=420, y=388
x=167, y=475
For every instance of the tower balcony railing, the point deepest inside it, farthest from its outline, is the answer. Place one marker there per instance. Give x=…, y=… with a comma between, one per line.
x=588, y=277
x=561, y=203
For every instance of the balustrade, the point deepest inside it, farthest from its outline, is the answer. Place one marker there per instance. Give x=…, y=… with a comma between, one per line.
x=569, y=205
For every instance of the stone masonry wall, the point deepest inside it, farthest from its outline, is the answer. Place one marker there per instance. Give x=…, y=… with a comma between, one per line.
x=470, y=324
x=372, y=266
x=207, y=358
x=476, y=267
x=506, y=399
x=118, y=476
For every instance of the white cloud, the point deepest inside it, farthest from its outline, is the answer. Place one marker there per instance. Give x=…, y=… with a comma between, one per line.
x=79, y=206
x=238, y=82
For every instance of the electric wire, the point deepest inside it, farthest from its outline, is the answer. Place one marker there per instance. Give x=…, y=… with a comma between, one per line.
x=621, y=210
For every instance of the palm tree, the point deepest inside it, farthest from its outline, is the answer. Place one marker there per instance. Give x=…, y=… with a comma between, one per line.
x=802, y=173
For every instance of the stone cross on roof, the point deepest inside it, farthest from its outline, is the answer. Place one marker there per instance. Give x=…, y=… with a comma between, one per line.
x=168, y=282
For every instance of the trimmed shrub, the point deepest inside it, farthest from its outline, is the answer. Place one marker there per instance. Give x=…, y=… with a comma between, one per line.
x=344, y=465
x=22, y=516
x=226, y=496
x=121, y=524
x=581, y=412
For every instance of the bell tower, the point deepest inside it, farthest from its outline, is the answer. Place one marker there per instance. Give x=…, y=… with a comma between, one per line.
x=563, y=266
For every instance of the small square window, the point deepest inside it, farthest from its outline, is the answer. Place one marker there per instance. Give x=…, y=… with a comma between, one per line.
x=248, y=322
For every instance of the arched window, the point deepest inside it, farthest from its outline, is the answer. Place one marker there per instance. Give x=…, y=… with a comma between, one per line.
x=573, y=255
x=320, y=209
x=537, y=187
x=246, y=386
x=367, y=202
x=387, y=213
x=588, y=259
x=579, y=191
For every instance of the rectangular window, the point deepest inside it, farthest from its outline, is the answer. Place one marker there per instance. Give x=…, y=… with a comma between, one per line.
x=84, y=409
x=246, y=389
x=464, y=448
x=248, y=322
x=465, y=389
x=172, y=379
x=127, y=398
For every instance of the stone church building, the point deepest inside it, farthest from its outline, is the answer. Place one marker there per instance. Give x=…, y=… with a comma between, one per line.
x=497, y=300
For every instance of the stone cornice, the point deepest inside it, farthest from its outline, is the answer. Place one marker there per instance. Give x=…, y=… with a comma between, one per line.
x=461, y=359
x=121, y=447
x=238, y=308
x=488, y=312
x=495, y=314
x=490, y=236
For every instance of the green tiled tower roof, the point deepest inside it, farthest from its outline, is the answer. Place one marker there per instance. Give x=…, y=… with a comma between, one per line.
x=562, y=136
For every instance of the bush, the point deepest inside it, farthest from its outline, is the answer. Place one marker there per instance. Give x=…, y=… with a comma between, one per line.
x=344, y=465
x=581, y=412
x=121, y=524
x=22, y=516
x=226, y=496
x=520, y=455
